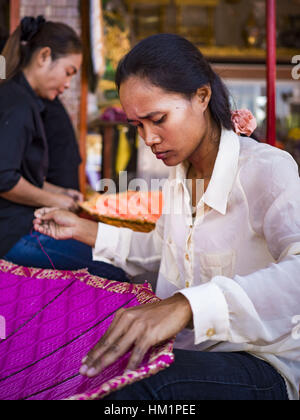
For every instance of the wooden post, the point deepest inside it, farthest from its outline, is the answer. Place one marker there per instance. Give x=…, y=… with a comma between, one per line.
x=108, y=141
x=271, y=71
x=84, y=11
x=14, y=15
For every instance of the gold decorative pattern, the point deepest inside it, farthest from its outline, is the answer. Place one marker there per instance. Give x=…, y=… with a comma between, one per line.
x=143, y=293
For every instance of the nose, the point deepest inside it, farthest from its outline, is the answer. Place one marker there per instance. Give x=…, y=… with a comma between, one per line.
x=150, y=138
x=67, y=84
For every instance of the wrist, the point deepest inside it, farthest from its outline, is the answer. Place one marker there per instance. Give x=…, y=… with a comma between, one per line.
x=187, y=309
x=78, y=230
x=85, y=231
x=55, y=200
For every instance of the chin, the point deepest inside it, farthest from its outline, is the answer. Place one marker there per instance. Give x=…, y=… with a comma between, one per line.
x=52, y=96
x=172, y=162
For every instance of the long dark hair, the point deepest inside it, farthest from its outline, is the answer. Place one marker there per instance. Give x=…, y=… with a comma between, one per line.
x=34, y=34
x=176, y=65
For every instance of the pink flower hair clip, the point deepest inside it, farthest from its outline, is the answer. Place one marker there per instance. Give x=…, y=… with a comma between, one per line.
x=243, y=122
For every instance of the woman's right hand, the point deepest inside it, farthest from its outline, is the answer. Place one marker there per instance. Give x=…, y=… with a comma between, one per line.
x=56, y=223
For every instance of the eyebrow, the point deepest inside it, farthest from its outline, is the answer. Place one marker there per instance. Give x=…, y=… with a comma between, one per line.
x=146, y=117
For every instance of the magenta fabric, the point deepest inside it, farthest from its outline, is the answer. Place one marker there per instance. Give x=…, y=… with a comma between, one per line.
x=53, y=318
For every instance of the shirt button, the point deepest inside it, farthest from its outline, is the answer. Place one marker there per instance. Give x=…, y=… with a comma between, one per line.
x=187, y=284
x=187, y=257
x=211, y=332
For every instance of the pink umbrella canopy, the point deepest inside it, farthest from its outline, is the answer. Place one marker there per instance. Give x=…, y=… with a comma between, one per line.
x=52, y=319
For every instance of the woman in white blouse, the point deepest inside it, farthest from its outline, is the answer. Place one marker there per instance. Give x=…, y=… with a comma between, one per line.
x=228, y=261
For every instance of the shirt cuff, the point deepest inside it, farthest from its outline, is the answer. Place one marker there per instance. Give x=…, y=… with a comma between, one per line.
x=293, y=249
x=210, y=312
x=106, y=243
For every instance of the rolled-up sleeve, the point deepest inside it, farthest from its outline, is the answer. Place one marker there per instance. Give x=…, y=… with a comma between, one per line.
x=14, y=134
x=134, y=252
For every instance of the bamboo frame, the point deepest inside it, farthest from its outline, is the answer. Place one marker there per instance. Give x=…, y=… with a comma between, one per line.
x=271, y=71
x=84, y=11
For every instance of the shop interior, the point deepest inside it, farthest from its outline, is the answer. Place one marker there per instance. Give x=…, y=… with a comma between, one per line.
x=236, y=50
x=230, y=33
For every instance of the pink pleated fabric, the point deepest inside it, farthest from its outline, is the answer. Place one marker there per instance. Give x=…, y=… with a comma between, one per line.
x=52, y=319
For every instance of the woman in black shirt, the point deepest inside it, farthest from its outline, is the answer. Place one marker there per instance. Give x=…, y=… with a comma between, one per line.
x=64, y=156
x=42, y=57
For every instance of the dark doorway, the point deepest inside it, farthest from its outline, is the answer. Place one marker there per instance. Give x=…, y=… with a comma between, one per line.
x=4, y=22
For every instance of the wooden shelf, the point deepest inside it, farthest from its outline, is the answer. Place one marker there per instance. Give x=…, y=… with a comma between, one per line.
x=246, y=54
x=250, y=71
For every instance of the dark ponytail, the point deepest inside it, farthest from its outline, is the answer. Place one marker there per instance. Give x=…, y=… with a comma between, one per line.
x=176, y=65
x=34, y=34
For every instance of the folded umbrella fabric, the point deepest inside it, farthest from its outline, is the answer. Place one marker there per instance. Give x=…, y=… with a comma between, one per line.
x=52, y=320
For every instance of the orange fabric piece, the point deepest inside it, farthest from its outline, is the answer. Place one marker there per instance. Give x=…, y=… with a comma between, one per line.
x=131, y=205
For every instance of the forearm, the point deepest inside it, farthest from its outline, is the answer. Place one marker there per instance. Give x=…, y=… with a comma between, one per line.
x=134, y=252
x=53, y=188
x=86, y=231
x=29, y=195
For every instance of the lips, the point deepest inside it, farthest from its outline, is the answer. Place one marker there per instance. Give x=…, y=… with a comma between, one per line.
x=161, y=155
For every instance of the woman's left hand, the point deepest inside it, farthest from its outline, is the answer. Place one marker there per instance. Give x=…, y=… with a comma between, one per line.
x=139, y=328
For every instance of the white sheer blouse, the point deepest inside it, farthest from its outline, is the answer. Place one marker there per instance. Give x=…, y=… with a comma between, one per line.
x=237, y=263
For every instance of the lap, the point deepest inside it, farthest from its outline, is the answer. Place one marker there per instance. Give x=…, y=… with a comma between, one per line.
x=65, y=255
x=210, y=376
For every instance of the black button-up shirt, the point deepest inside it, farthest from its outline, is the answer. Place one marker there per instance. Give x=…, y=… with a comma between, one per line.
x=64, y=157
x=23, y=153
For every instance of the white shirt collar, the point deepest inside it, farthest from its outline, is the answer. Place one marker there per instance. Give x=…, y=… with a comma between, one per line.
x=224, y=172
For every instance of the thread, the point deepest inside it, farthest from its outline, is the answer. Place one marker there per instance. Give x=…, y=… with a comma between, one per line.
x=42, y=248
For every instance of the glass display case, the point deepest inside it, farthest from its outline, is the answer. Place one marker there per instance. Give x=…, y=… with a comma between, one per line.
x=226, y=30
x=251, y=94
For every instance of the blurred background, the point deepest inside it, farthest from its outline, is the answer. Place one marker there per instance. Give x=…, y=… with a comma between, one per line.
x=230, y=33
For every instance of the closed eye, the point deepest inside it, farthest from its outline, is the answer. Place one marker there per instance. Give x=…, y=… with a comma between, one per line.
x=140, y=125
x=136, y=125
x=160, y=121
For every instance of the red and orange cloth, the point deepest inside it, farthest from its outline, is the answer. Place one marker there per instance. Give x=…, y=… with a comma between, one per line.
x=132, y=205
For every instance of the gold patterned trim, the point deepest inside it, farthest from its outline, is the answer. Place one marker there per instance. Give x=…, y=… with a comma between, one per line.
x=143, y=293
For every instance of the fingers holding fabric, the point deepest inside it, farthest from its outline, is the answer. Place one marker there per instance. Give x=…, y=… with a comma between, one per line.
x=138, y=329
x=125, y=333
